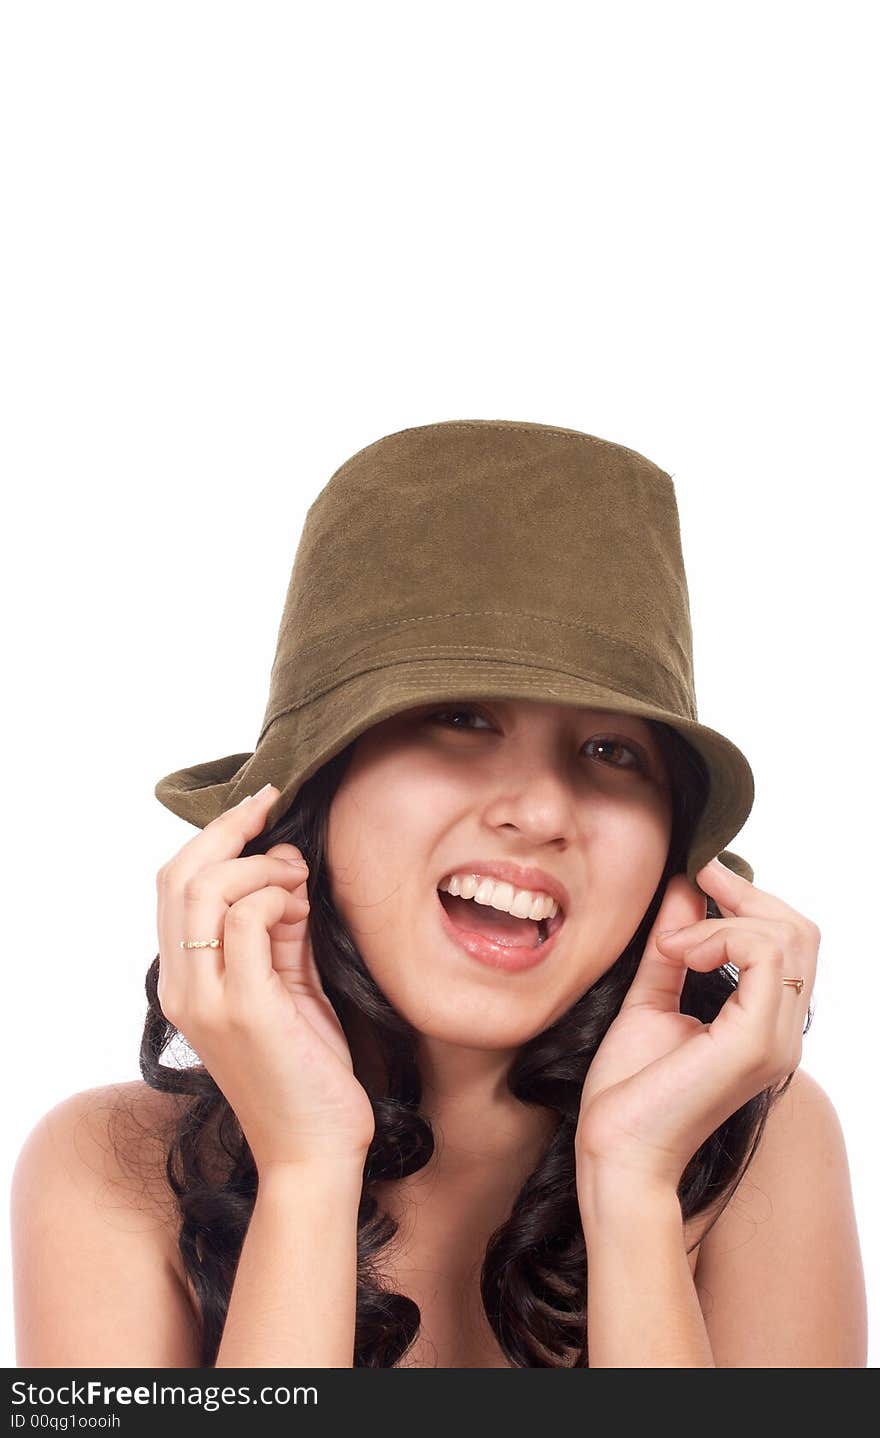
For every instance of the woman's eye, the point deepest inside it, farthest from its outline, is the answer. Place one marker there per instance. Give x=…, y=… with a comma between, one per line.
x=615, y=744
x=444, y=715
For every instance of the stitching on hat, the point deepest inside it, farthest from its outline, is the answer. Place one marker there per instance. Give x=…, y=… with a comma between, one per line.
x=500, y=653
x=476, y=614
x=526, y=683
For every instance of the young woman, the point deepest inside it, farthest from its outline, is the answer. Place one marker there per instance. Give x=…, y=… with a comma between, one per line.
x=499, y=1065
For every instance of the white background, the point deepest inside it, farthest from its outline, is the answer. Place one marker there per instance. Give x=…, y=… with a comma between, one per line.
x=241, y=241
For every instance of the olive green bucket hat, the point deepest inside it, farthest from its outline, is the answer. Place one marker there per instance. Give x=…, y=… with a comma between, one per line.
x=480, y=559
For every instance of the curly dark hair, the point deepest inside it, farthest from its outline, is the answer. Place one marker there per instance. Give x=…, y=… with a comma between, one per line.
x=533, y=1281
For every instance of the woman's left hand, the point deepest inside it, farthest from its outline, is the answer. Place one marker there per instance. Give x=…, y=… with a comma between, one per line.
x=661, y=1081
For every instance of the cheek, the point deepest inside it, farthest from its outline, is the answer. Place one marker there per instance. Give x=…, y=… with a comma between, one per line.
x=625, y=856
x=376, y=851
x=630, y=830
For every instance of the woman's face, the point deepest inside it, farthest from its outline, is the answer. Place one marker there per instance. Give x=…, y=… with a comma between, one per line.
x=581, y=793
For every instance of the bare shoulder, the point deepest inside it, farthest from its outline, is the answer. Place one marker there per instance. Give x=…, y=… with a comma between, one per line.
x=802, y=1134
x=112, y=1141
x=779, y=1274
x=91, y=1211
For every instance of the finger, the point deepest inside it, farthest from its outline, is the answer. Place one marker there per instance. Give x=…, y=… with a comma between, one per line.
x=233, y=879
x=199, y=911
x=780, y=930
x=658, y=982
x=225, y=836
x=660, y=977
x=293, y=958
x=752, y=1010
x=735, y=895
x=247, y=946
x=801, y=949
x=292, y=955
x=288, y=851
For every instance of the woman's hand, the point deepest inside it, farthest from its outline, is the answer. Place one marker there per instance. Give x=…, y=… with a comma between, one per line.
x=255, y=1011
x=662, y=1081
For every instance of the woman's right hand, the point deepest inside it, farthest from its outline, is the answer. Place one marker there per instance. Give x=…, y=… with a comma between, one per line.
x=255, y=1011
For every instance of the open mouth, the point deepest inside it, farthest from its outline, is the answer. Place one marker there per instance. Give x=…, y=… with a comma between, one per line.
x=496, y=926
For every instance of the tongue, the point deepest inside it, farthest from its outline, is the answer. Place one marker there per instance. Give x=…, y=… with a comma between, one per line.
x=492, y=923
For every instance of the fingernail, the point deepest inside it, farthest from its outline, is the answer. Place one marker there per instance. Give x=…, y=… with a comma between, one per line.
x=664, y=933
x=297, y=863
x=247, y=798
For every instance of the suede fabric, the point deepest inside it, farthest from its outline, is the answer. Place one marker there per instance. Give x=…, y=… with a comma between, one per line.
x=479, y=559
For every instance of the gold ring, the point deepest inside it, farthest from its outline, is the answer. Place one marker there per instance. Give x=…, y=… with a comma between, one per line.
x=795, y=983
x=201, y=943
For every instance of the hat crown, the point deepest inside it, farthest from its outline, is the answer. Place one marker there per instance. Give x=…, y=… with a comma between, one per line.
x=471, y=537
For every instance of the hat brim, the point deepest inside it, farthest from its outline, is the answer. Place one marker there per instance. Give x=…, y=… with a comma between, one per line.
x=304, y=737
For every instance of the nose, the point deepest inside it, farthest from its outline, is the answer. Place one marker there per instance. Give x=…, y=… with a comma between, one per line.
x=537, y=802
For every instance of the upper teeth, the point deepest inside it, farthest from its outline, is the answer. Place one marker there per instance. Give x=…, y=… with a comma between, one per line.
x=522, y=903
